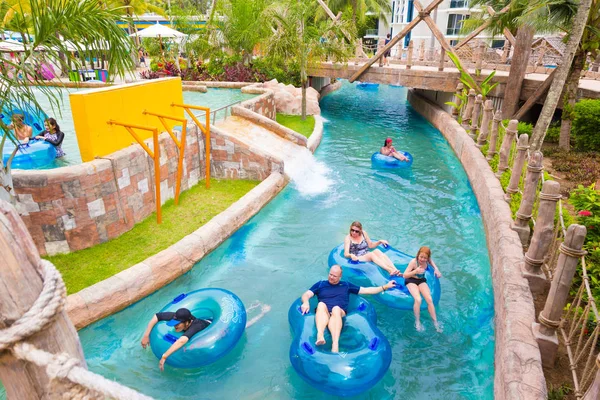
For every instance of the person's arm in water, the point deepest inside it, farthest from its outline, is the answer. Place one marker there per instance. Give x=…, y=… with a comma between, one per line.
x=436, y=270
x=59, y=138
x=146, y=337
x=174, y=347
x=372, y=244
x=305, y=298
x=377, y=289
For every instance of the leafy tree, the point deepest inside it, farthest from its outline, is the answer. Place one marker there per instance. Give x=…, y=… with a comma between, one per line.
x=52, y=23
x=359, y=8
x=298, y=36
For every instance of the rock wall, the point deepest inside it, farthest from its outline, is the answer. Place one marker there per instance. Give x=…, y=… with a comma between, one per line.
x=76, y=207
x=288, y=99
x=518, y=364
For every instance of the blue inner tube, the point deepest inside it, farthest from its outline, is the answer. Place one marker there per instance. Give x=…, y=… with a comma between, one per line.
x=228, y=316
x=367, y=274
x=381, y=161
x=365, y=353
x=33, y=155
x=34, y=118
x=368, y=86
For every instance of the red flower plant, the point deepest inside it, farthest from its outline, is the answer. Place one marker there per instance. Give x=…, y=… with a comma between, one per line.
x=584, y=213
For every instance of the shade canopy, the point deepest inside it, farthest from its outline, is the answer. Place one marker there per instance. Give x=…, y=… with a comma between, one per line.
x=10, y=45
x=158, y=30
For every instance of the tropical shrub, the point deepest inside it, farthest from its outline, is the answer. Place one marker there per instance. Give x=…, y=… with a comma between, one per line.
x=525, y=127
x=585, y=125
x=149, y=74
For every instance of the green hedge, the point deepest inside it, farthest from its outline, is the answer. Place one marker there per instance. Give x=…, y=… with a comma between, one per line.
x=585, y=126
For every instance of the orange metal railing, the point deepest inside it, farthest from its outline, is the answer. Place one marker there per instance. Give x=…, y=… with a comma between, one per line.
x=155, y=155
x=180, y=145
x=205, y=130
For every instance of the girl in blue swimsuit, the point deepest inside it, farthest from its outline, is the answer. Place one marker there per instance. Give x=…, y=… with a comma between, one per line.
x=414, y=277
x=357, y=245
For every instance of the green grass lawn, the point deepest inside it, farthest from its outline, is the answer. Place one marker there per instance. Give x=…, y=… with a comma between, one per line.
x=295, y=123
x=196, y=207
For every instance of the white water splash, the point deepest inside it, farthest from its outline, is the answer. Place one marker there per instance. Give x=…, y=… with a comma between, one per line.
x=309, y=175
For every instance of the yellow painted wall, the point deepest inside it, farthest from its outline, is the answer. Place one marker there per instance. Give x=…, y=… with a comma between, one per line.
x=124, y=103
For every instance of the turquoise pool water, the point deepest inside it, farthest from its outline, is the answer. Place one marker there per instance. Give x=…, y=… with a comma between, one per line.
x=283, y=250
x=214, y=98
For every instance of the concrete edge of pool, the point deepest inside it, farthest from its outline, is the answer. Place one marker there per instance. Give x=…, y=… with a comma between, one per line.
x=125, y=288
x=518, y=365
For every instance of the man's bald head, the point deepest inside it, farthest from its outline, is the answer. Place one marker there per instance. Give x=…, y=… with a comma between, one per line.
x=335, y=274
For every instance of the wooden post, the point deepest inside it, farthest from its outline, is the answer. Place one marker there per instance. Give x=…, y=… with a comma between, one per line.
x=517, y=168
x=422, y=51
x=543, y=236
x=457, y=100
x=505, y=52
x=442, y=60
x=468, y=110
x=544, y=331
x=475, y=119
x=539, y=92
x=380, y=45
x=540, y=59
x=494, y=136
x=410, y=55
x=593, y=392
x=22, y=279
x=509, y=137
x=479, y=58
x=534, y=170
x=518, y=69
x=484, y=130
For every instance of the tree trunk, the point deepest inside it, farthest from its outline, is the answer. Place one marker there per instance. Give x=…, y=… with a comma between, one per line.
x=304, y=82
x=570, y=99
x=518, y=68
x=579, y=22
x=22, y=282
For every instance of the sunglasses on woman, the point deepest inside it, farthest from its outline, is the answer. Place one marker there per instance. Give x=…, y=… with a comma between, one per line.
x=354, y=230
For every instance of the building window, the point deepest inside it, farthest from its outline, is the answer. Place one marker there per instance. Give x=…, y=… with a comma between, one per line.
x=453, y=42
x=497, y=44
x=455, y=23
x=459, y=3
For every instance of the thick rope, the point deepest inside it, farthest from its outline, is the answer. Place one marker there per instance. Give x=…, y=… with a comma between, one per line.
x=569, y=251
x=61, y=367
x=548, y=322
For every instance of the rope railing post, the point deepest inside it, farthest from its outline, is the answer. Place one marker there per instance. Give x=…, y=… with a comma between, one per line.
x=468, y=110
x=505, y=52
x=479, y=58
x=422, y=51
x=204, y=129
x=543, y=236
x=154, y=154
x=521, y=223
x=593, y=392
x=442, y=60
x=484, y=130
x=517, y=167
x=494, y=135
x=549, y=319
x=476, y=114
x=180, y=145
x=457, y=100
x=409, y=58
x=509, y=138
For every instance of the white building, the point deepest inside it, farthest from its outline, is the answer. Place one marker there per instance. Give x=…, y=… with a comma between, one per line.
x=448, y=17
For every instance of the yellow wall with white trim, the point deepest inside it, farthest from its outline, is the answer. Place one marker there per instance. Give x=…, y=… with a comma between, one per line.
x=123, y=103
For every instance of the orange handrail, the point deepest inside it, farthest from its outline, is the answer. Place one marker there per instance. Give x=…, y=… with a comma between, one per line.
x=155, y=155
x=206, y=131
x=180, y=145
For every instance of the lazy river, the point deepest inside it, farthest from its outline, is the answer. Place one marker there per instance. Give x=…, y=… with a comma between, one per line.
x=283, y=250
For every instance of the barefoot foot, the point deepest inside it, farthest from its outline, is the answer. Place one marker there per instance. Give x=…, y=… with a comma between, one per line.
x=438, y=327
x=419, y=326
x=320, y=341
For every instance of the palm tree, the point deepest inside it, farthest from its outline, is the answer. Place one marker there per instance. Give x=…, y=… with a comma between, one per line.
x=359, y=8
x=574, y=42
x=297, y=36
x=53, y=23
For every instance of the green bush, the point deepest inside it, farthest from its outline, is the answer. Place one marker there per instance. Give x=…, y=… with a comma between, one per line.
x=553, y=133
x=525, y=127
x=585, y=125
x=273, y=68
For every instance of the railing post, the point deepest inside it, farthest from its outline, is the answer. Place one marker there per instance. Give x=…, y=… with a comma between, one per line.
x=442, y=60
x=509, y=137
x=422, y=50
x=484, y=129
x=593, y=392
x=544, y=331
x=479, y=58
x=517, y=167
x=409, y=58
x=534, y=170
x=457, y=100
x=494, y=136
x=505, y=52
x=475, y=119
x=468, y=112
x=543, y=235
x=540, y=59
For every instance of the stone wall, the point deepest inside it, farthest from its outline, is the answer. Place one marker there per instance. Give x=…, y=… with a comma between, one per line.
x=76, y=207
x=263, y=104
x=518, y=365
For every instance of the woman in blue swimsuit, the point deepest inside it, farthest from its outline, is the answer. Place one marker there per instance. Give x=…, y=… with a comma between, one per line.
x=357, y=245
x=414, y=277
